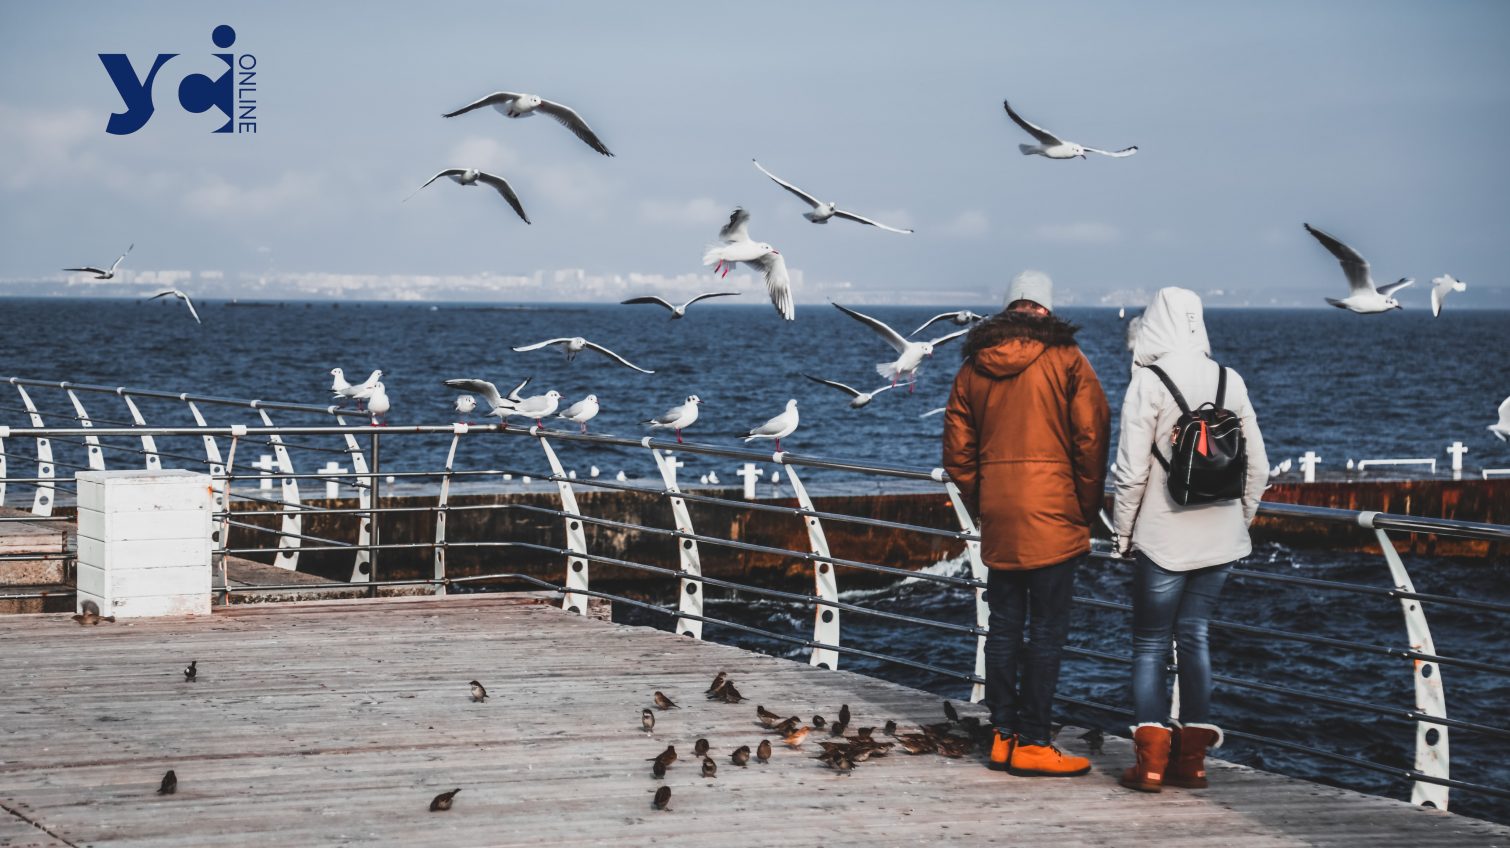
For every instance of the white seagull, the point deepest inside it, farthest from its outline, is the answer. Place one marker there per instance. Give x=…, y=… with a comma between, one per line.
x=498, y=405
x=378, y=405
x=1053, y=147
x=1502, y=429
x=339, y=388
x=910, y=354
x=678, y=418
x=512, y=105
x=963, y=318
x=777, y=428
x=362, y=391
x=1363, y=297
x=822, y=211
x=738, y=247
x=181, y=296
x=471, y=177
x=100, y=273
x=537, y=408
x=1440, y=287
x=582, y=411
x=576, y=344
x=465, y=405
x=858, y=398
x=677, y=312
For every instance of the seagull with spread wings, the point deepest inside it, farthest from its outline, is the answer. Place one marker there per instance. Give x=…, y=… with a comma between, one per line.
x=822, y=211
x=963, y=318
x=181, y=296
x=1053, y=147
x=101, y=273
x=498, y=405
x=737, y=247
x=857, y=397
x=910, y=355
x=1363, y=297
x=471, y=177
x=574, y=345
x=677, y=312
x=1440, y=288
x=514, y=105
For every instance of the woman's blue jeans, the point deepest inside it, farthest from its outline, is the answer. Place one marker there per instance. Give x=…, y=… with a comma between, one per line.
x=1172, y=604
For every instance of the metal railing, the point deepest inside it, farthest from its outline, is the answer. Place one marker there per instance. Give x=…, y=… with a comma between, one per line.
x=244, y=519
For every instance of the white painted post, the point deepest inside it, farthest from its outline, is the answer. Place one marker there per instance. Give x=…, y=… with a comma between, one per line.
x=672, y=464
x=144, y=542
x=332, y=487
x=1457, y=449
x=750, y=474
x=1308, y=465
x=265, y=463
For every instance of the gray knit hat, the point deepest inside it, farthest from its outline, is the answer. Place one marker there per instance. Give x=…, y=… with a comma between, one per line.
x=1032, y=285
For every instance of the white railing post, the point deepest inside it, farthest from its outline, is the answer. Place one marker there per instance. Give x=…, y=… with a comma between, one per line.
x=439, y=572
x=576, y=537
x=96, y=455
x=690, y=598
x=149, y=444
x=222, y=487
x=42, y=501
x=292, y=524
x=825, y=580
x=361, y=567
x=978, y=571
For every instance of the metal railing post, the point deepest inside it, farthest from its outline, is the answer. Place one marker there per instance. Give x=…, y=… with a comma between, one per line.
x=979, y=571
x=576, y=537
x=360, y=568
x=372, y=514
x=46, y=494
x=217, y=468
x=292, y=522
x=690, y=598
x=440, y=510
x=96, y=456
x=221, y=540
x=149, y=444
x=825, y=580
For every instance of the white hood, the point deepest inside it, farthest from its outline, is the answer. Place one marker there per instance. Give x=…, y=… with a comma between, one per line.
x=1173, y=323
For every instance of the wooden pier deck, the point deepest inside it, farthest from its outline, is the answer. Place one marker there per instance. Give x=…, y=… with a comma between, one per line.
x=334, y=723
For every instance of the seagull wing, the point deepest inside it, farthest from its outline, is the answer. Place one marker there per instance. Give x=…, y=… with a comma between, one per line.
x=778, y=283
x=1043, y=136
x=99, y=271
x=1395, y=286
x=572, y=121
x=493, y=99
x=117, y=262
x=574, y=410
x=949, y=338
x=163, y=293
x=649, y=299
x=706, y=295
x=942, y=316
x=738, y=228
x=514, y=393
x=841, y=213
x=853, y=392
x=1504, y=411
x=1116, y=154
x=503, y=187
x=189, y=303
x=538, y=345
x=488, y=391
x=449, y=172
x=886, y=332
x=806, y=198
x=619, y=359
x=1353, y=263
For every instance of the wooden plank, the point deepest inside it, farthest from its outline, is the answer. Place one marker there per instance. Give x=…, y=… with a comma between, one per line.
x=335, y=722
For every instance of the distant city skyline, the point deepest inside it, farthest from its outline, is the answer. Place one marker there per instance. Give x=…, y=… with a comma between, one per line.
x=1250, y=120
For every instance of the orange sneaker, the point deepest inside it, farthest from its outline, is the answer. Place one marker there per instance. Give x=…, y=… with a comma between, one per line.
x=1045, y=761
x=1001, y=750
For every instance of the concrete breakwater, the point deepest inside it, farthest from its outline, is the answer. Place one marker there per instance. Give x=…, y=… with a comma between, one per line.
x=518, y=517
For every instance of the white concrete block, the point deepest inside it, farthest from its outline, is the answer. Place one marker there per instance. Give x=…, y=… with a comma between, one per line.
x=152, y=607
x=144, y=583
x=135, y=526
x=143, y=491
x=144, y=553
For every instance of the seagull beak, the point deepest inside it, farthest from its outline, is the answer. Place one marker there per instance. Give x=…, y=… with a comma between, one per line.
x=774, y=250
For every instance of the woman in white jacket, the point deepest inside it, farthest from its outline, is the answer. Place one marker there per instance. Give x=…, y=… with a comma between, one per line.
x=1182, y=553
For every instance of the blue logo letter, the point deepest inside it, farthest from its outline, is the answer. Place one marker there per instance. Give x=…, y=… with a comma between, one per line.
x=136, y=94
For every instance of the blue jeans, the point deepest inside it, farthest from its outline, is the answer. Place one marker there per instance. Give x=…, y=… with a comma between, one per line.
x=1021, y=678
x=1172, y=604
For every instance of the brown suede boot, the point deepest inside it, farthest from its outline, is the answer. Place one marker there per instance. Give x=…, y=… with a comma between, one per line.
x=1152, y=743
x=1187, y=765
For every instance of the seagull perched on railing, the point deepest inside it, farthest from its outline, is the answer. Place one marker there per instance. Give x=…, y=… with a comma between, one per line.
x=471, y=177
x=512, y=105
x=777, y=428
x=378, y=405
x=963, y=318
x=582, y=411
x=1052, y=147
x=910, y=354
x=498, y=405
x=1363, y=297
x=858, y=398
x=678, y=418
x=575, y=345
x=341, y=389
x=181, y=296
x=822, y=211
x=738, y=247
x=538, y=407
x=100, y=273
x=677, y=312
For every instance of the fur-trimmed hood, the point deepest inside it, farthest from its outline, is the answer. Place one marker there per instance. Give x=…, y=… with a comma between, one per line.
x=1006, y=343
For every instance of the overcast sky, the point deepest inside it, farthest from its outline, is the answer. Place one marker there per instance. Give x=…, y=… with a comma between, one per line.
x=1383, y=123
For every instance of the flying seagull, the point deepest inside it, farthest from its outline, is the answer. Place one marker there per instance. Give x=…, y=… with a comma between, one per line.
x=181, y=296
x=858, y=398
x=1363, y=297
x=1440, y=287
x=677, y=312
x=738, y=247
x=498, y=405
x=777, y=428
x=822, y=211
x=514, y=105
x=1053, y=147
x=910, y=354
x=575, y=345
x=471, y=177
x=101, y=274
x=1502, y=429
x=963, y=318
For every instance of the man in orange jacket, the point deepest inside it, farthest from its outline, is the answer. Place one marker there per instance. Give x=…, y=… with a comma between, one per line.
x=1025, y=439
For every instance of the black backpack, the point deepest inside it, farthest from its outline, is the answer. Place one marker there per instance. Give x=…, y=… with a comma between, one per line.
x=1210, y=457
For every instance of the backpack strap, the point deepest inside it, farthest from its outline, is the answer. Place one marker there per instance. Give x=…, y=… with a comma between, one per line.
x=1179, y=398
x=1221, y=387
